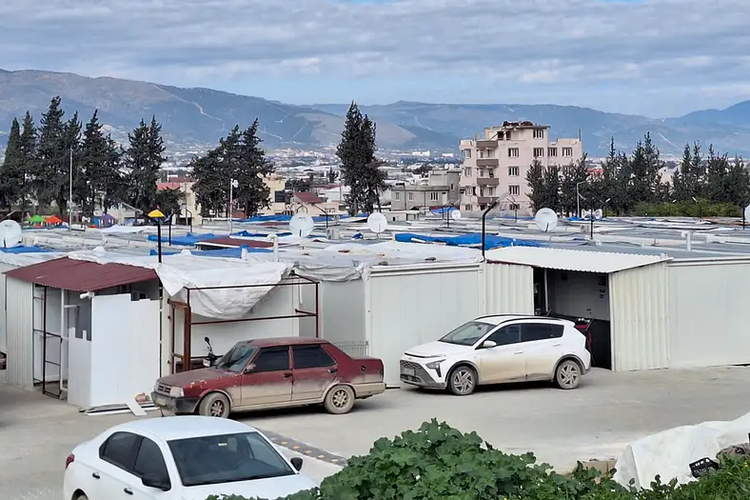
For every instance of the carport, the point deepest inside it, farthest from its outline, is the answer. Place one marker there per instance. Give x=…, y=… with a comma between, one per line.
x=624, y=295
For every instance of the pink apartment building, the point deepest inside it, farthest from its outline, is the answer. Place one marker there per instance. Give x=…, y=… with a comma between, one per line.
x=498, y=163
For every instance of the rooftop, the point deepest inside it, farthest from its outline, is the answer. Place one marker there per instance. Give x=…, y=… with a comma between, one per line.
x=182, y=427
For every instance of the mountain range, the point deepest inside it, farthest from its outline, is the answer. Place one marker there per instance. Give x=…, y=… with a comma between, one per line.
x=192, y=116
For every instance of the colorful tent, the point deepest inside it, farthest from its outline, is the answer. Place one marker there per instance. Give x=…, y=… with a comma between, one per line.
x=53, y=219
x=37, y=219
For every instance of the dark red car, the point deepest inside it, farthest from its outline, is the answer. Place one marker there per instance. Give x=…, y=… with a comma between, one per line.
x=272, y=373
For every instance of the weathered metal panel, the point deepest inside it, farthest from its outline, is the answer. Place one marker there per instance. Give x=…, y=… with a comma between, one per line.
x=709, y=313
x=508, y=289
x=20, y=308
x=565, y=259
x=639, y=311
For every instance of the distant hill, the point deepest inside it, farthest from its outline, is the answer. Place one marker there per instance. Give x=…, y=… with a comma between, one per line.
x=198, y=115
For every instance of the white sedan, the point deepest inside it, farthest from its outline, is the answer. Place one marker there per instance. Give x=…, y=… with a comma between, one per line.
x=180, y=458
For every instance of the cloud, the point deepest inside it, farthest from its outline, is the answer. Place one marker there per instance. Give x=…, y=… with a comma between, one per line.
x=606, y=54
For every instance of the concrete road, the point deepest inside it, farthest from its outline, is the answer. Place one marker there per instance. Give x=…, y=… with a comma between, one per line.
x=596, y=421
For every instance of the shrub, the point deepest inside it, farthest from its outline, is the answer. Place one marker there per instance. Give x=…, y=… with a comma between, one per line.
x=438, y=462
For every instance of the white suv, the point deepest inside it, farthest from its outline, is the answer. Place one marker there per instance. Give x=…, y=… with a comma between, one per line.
x=498, y=349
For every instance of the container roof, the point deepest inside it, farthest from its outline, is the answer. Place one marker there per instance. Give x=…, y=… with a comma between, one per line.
x=81, y=275
x=572, y=260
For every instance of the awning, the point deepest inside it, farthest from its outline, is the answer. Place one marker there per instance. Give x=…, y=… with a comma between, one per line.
x=564, y=259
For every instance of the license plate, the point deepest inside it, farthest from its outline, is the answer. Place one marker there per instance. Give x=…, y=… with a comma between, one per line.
x=408, y=371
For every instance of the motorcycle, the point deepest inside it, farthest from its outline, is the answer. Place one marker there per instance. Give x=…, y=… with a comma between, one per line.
x=211, y=358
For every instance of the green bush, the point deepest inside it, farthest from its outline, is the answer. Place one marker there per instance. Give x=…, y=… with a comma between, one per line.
x=703, y=208
x=441, y=463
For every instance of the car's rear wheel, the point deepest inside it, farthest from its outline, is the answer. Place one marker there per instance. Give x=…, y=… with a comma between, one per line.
x=568, y=375
x=339, y=400
x=462, y=380
x=214, y=405
x=81, y=496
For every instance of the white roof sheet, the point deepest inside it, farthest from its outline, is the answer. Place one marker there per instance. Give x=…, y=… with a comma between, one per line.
x=572, y=260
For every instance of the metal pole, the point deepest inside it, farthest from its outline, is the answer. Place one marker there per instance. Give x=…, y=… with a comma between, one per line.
x=484, y=217
x=70, y=193
x=591, y=216
x=158, y=236
x=170, y=231
x=231, y=186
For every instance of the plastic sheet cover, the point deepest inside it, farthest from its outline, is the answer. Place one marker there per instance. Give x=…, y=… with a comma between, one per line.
x=670, y=453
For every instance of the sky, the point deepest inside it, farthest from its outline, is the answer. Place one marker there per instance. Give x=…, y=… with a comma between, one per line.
x=657, y=58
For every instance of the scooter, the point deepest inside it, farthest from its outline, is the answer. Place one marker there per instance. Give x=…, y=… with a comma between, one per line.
x=211, y=358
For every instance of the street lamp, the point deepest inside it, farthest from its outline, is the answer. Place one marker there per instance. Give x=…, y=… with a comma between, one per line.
x=232, y=184
x=700, y=211
x=591, y=215
x=157, y=216
x=578, y=199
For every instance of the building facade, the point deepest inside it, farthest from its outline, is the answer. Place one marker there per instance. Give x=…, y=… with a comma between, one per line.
x=498, y=163
x=440, y=188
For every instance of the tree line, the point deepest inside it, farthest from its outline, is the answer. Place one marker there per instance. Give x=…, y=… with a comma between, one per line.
x=704, y=184
x=36, y=172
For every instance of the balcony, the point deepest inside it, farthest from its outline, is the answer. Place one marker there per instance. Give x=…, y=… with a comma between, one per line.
x=487, y=144
x=488, y=162
x=488, y=181
x=485, y=200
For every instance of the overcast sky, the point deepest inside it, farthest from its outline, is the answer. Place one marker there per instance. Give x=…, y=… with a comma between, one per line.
x=652, y=57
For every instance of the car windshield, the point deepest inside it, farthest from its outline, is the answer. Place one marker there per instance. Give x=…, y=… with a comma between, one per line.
x=237, y=357
x=468, y=333
x=227, y=458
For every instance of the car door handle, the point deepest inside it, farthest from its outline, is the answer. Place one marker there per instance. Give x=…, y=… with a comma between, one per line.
x=128, y=491
x=518, y=352
x=287, y=375
x=95, y=475
x=556, y=345
x=332, y=370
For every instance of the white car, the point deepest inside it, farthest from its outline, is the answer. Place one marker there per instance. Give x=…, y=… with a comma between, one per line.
x=180, y=458
x=499, y=349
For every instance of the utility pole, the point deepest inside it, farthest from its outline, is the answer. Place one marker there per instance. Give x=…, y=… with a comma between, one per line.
x=70, y=192
x=232, y=184
x=578, y=199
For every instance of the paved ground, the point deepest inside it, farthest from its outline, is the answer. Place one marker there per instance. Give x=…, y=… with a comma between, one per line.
x=596, y=421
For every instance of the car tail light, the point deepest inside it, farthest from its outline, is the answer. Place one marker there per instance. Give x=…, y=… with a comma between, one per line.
x=71, y=458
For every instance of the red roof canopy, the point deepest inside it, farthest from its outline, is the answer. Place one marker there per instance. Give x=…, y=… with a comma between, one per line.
x=81, y=275
x=306, y=197
x=235, y=242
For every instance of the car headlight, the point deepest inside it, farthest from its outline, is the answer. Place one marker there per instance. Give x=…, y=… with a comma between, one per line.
x=434, y=365
x=176, y=392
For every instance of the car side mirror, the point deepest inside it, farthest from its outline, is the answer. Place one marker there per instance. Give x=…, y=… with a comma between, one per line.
x=297, y=463
x=249, y=368
x=488, y=344
x=156, y=481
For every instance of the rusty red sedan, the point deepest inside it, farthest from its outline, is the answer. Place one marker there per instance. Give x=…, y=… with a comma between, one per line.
x=272, y=373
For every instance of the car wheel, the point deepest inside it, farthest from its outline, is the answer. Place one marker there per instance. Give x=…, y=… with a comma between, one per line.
x=339, y=400
x=215, y=405
x=568, y=375
x=462, y=381
x=82, y=496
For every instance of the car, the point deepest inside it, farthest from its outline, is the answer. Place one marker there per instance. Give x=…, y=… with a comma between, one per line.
x=272, y=373
x=180, y=458
x=498, y=349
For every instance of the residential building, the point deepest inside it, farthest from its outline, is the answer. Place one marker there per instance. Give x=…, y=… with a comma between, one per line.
x=190, y=212
x=311, y=204
x=277, y=194
x=498, y=163
x=440, y=188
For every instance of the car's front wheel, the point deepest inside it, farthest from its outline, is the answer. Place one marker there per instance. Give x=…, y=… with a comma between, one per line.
x=214, y=405
x=568, y=375
x=462, y=380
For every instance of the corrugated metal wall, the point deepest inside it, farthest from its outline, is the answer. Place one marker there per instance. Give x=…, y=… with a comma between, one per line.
x=639, y=311
x=3, y=326
x=709, y=313
x=20, y=307
x=509, y=288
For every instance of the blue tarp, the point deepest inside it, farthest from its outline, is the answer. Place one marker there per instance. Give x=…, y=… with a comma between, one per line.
x=23, y=249
x=441, y=211
x=189, y=239
x=234, y=253
x=267, y=218
x=468, y=240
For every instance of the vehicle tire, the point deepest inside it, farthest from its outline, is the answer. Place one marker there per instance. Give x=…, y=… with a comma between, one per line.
x=568, y=375
x=462, y=380
x=339, y=400
x=214, y=405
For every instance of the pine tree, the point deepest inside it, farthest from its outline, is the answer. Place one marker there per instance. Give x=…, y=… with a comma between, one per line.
x=143, y=160
x=28, y=150
x=99, y=182
x=52, y=155
x=211, y=185
x=738, y=183
x=252, y=193
x=11, y=173
x=571, y=177
x=535, y=179
x=360, y=170
x=552, y=186
x=645, y=166
x=717, y=167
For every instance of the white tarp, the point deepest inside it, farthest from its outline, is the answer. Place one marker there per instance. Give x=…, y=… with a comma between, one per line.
x=117, y=229
x=669, y=454
x=181, y=271
x=27, y=259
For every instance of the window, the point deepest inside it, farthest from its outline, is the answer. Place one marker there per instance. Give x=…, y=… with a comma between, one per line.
x=538, y=152
x=272, y=359
x=237, y=357
x=467, y=172
x=467, y=153
x=531, y=332
x=515, y=190
x=538, y=133
x=491, y=173
x=513, y=152
x=513, y=171
x=311, y=356
x=552, y=152
x=567, y=151
x=514, y=206
x=119, y=450
x=490, y=153
x=468, y=333
x=467, y=208
x=507, y=335
x=433, y=196
x=397, y=196
x=481, y=172
x=227, y=458
x=150, y=461
x=411, y=196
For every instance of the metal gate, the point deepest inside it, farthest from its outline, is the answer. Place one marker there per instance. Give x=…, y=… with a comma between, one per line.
x=50, y=361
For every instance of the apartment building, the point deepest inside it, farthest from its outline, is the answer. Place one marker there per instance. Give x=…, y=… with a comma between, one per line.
x=440, y=188
x=499, y=161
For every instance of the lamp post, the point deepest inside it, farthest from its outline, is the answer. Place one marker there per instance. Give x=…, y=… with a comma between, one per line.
x=157, y=216
x=578, y=199
x=232, y=184
x=700, y=211
x=70, y=191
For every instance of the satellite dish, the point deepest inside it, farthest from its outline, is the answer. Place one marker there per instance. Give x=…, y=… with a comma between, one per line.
x=546, y=219
x=377, y=222
x=455, y=214
x=747, y=213
x=598, y=214
x=10, y=233
x=585, y=214
x=301, y=225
